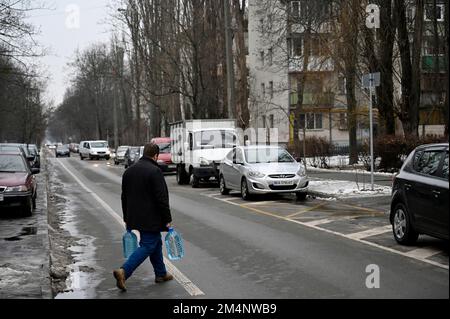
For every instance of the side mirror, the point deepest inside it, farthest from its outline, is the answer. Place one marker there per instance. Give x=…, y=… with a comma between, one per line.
x=30, y=158
x=35, y=171
x=298, y=159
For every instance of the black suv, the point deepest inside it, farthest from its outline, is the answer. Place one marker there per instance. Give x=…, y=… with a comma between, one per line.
x=420, y=195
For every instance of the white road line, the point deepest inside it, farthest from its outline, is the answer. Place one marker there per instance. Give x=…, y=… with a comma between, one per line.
x=423, y=253
x=328, y=220
x=190, y=287
x=394, y=251
x=262, y=203
x=371, y=232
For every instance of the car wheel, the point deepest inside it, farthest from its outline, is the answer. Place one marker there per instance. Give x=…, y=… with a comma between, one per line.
x=223, y=189
x=402, y=228
x=27, y=209
x=81, y=157
x=195, y=181
x=301, y=196
x=245, y=194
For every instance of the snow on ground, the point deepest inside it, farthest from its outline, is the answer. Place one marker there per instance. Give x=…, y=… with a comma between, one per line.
x=347, y=189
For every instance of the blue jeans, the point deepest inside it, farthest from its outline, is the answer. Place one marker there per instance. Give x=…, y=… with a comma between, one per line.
x=150, y=246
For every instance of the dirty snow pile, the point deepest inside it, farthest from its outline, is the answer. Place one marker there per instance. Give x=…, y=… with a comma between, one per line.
x=335, y=188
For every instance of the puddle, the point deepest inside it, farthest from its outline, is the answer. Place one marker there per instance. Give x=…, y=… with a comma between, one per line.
x=26, y=231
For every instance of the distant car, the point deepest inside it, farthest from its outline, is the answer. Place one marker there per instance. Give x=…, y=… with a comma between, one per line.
x=74, y=148
x=17, y=183
x=165, y=156
x=120, y=155
x=94, y=150
x=262, y=170
x=62, y=150
x=132, y=155
x=419, y=202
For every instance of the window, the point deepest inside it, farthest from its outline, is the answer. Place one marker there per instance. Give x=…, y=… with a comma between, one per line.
x=342, y=81
x=261, y=54
x=239, y=156
x=430, y=14
x=270, y=56
x=427, y=162
x=445, y=167
x=263, y=90
x=271, y=89
x=297, y=44
x=264, y=121
x=314, y=121
x=295, y=9
x=343, y=124
x=271, y=121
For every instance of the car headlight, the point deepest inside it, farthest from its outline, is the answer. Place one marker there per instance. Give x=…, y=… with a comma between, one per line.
x=93, y=153
x=21, y=188
x=301, y=172
x=256, y=174
x=204, y=162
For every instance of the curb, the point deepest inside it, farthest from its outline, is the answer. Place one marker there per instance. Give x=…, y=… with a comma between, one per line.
x=46, y=286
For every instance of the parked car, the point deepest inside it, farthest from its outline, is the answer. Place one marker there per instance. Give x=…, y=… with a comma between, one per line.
x=24, y=148
x=17, y=183
x=94, y=150
x=165, y=156
x=33, y=149
x=131, y=155
x=419, y=202
x=120, y=155
x=74, y=148
x=62, y=150
x=262, y=170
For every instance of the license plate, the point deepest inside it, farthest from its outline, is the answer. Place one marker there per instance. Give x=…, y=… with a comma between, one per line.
x=2, y=198
x=283, y=183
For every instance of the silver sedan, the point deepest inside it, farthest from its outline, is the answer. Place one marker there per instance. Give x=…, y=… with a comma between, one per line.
x=262, y=170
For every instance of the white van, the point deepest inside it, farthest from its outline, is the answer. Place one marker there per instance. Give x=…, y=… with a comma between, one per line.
x=94, y=150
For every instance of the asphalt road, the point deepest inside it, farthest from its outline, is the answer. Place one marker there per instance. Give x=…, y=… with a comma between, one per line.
x=274, y=247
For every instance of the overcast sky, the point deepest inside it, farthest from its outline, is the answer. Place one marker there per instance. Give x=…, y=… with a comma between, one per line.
x=70, y=24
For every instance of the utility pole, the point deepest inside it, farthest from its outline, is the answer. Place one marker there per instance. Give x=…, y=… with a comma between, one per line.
x=229, y=58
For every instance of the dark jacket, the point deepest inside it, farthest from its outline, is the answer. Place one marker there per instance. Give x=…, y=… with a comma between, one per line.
x=145, y=198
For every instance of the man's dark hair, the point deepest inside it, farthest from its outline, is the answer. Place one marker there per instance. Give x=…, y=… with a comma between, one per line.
x=151, y=150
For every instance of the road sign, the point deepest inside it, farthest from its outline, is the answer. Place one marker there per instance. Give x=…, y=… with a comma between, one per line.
x=371, y=80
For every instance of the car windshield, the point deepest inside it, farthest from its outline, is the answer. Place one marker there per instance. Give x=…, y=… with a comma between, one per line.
x=122, y=149
x=33, y=150
x=12, y=164
x=214, y=139
x=164, y=148
x=99, y=145
x=62, y=148
x=268, y=155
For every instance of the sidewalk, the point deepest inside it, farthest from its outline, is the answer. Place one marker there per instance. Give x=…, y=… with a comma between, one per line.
x=24, y=252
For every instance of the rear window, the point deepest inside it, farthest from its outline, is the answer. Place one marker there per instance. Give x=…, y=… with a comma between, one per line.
x=427, y=162
x=12, y=164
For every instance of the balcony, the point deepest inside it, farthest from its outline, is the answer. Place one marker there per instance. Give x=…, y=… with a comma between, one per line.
x=320, y=100
x=429, y=63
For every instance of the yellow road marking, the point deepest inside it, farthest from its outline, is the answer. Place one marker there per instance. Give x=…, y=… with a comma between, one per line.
x=307, y=210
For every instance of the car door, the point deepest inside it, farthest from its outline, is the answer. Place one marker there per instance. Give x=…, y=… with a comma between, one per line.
x=227, y=169
x=440, y=193
x=422, y=199
x=236, y=174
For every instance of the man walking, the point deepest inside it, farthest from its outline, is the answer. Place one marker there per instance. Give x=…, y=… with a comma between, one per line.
x=145, y=206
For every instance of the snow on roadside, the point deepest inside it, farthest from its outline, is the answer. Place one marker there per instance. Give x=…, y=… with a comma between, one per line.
x=347, y=189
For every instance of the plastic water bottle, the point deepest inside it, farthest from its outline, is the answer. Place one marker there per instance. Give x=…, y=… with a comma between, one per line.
x=174, y=245
x=130, y=244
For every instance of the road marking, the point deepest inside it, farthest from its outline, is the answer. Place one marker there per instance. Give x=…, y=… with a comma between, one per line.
x=424, y=252
x=371, y=232
x=190, y=287
x=370, y=210
x=307, y=210
x=391, y=250
x=329, y=220
x=262, y=203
